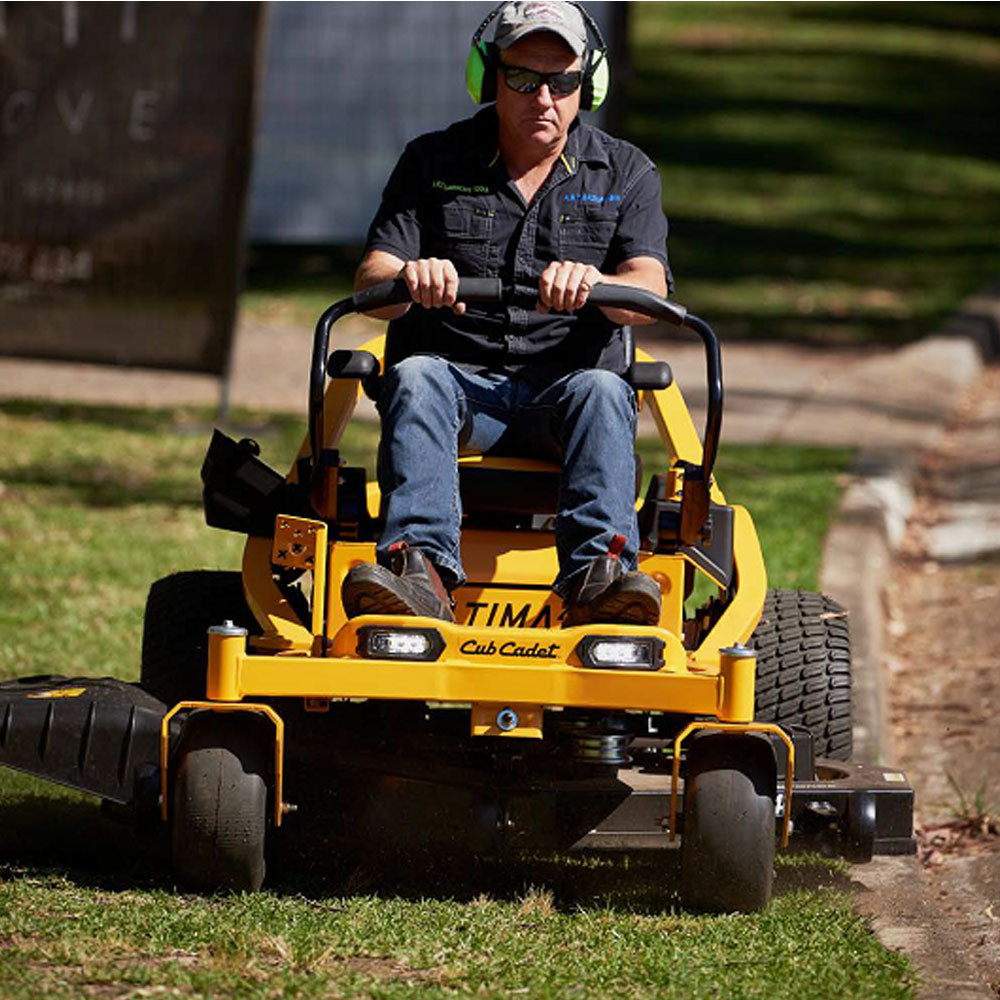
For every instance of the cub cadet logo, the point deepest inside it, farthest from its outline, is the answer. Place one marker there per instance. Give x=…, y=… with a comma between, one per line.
x=508, y=617
x=537, y=651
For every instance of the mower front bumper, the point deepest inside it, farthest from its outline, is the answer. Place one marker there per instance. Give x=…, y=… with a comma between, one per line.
x=103, y=736
x=505, y=668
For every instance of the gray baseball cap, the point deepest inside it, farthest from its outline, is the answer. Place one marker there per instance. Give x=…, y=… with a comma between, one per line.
x=519, y=19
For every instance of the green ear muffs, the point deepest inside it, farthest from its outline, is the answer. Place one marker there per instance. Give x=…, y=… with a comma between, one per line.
x=481, y=65
x=481, y=72
x=596, y=81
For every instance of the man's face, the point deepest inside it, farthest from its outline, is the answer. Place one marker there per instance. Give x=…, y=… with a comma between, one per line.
x=541, y=118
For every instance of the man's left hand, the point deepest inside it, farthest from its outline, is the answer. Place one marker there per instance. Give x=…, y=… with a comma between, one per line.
x=565, y=286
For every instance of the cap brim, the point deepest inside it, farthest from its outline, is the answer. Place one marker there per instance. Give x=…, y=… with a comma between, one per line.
x=573, y=41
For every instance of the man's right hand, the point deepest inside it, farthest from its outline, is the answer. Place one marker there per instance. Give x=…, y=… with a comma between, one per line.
x=433, y=283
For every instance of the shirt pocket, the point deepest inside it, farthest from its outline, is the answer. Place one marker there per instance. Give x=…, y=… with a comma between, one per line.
x=462, y=233
x=585, y=234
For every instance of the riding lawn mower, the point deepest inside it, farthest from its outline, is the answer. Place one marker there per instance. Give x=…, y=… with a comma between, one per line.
x=725, y=727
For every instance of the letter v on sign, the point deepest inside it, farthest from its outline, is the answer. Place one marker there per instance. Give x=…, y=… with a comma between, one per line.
x=74, y=117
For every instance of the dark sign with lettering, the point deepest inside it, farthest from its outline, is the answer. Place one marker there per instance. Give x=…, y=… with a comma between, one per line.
x=125, y=147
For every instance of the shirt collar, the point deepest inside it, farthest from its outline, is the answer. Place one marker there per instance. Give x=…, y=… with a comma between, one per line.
x=582, y=143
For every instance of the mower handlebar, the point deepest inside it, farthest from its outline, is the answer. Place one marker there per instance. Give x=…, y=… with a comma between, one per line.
x=637, y=300
x=491, y=291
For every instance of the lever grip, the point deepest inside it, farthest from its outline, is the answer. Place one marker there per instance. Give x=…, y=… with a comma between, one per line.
x=387, y=293
x=480, y=290
x=638, y=300
x=395, y=292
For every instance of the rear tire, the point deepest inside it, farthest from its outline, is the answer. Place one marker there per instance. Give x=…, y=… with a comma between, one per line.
x=727, y=850
x=220, y=804
x=804, y=668
x=179, y=611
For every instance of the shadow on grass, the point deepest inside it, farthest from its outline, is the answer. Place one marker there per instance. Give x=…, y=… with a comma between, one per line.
x=105, y=486
x=128, y=418
x=321, y=268
x=642, y=882
x=71, y=837
x=980, y=18
x=182, y=420
x=169, y=473
x=866, y=165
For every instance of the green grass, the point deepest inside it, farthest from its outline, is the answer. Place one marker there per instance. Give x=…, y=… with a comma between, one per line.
x=294, y=284
x=829, y=169
x=98, y=502
x=791, y=492
x=64, y=939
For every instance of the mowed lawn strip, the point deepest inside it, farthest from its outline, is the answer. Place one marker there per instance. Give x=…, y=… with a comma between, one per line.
x=61, y=939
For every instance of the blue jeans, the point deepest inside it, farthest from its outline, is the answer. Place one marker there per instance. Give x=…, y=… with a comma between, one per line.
x=586, y=420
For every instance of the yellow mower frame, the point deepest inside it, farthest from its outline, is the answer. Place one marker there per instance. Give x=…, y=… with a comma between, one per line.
x=505, y=672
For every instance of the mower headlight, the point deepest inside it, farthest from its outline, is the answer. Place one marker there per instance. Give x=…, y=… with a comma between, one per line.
x=616, y=652
x=378, y=643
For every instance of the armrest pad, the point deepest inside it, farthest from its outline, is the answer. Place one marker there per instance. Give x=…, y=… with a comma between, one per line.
x=352, y=364
x=649, y=375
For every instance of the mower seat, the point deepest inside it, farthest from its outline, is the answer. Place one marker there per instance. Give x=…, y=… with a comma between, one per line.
x=508, y=485
x=504, y=484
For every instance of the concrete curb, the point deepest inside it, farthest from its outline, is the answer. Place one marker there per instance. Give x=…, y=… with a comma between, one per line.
x=865, y=537
x=894, y=893
x=857, y=561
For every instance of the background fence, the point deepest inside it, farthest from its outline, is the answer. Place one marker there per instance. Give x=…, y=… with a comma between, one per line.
x=346, y=86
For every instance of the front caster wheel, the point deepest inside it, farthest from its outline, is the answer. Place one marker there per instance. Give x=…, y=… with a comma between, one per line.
x=727, y=850
x=220, y=804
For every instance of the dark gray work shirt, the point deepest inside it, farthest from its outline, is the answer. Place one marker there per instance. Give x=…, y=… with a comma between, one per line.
x=450, y=196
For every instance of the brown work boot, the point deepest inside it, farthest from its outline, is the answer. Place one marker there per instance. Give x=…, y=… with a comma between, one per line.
x=606, y=592
x=409, y=585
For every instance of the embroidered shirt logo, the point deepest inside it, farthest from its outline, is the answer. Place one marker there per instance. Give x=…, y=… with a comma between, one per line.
x=460, y=188
x=592, y=199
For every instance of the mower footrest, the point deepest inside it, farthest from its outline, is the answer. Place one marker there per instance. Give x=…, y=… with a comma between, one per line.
x=97, y=735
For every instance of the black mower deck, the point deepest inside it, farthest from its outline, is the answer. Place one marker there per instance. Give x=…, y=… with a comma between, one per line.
x=102, y=736
x=847, y=809
x=97, y=735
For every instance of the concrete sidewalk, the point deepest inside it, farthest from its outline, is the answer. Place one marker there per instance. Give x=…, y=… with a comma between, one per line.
x=775, y=392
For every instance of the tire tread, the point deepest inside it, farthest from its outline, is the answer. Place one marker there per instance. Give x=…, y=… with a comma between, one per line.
x=804, y=668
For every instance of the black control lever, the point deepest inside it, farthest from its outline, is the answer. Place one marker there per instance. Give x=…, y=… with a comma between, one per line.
x=386, y=293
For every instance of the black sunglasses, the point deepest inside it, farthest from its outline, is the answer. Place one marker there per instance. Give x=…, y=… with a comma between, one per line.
x=527, y=81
